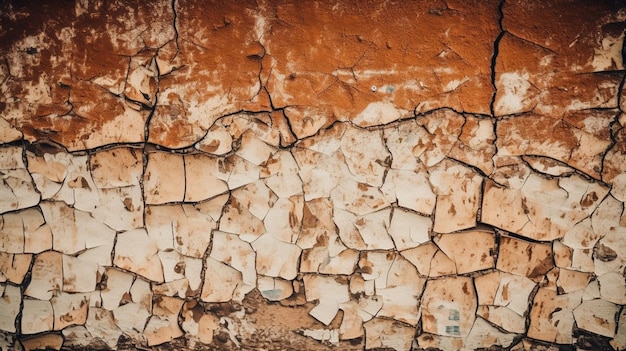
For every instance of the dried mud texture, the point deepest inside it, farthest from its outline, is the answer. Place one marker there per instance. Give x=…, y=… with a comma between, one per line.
x=312, y=175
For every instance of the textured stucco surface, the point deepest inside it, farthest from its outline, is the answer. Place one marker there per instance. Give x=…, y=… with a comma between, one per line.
x=312, y=175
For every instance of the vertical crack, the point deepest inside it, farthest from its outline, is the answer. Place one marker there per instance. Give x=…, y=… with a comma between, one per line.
x=175, y=24
x=615, y=127
x=494, y=58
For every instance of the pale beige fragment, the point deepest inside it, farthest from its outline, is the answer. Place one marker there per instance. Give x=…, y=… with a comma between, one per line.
x=185, y=228
x=78, y=275
x=46, y=276
x=274, y=289
x=482, y=336
x=581, y=239
x=17, y=190
x=422, y=258
x=49, y=172
x=237, y=219
x=179, y=287
x=458, y=195
x=551, y=317
x=164, y=179
x=352, y=323
x=37, y=233
x=510, y=171
x=597, y=316
x=524, y=258
x=78, y=188
x=101, y=325
x=400, y=292
x=592, y=291
x=37, y=316
x=131, y=319
x=217, y=141
x=231, y=250
x=385, y=333
x=276, y=258
x=193, y=273
x=441, y=264
x=116, y=168
x=317, y=224
x=163, y=325
x=281, y=174
x=74, y=231
x=332, y=259
x=323, y=250
x=613, y=287
x=120, y=208
x=221, y=282
x=320, y=173
x=326, y=142
x=329, y=291
x=8, y=133
x=619, y=342
x=358, y=198
x=254, y=150
x=449, y=306
x=201, y=181
x=401, y=139
x=141, y=293
x=372, y=230
x=10, y=302
x=237, y=171
x=503, y=299
x=542, y=209
x=609, y=252
x=134, y=310
x=12, y=233
x=562, y=254
x=470, y=250
x=607, y=216
x=141, y=80
x=347, y=230
x=410, y=189
x=283, y=221
x=532, y=345
x=571, y=280
x=13, y=267
x=503, y=317
x=137, y=252
x=197, y=324
x=330, y=336
x=369, y=304
x=408, y=229
x=117, y=287
x=177, y=267
x=365, y=155
x=486, y=287
x=69, y=309
x=514, y=292
x=439, y=134
x=475, y=145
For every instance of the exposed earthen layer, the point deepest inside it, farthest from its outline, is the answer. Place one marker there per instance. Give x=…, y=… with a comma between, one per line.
x=312, y=175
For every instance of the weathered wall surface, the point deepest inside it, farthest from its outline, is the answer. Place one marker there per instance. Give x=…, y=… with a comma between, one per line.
x=312, y=175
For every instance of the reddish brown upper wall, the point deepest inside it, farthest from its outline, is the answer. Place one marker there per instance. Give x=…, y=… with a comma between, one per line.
x=99, y=73
x=64, y=65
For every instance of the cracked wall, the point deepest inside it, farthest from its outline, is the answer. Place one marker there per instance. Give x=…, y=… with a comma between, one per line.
x=312, y=175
